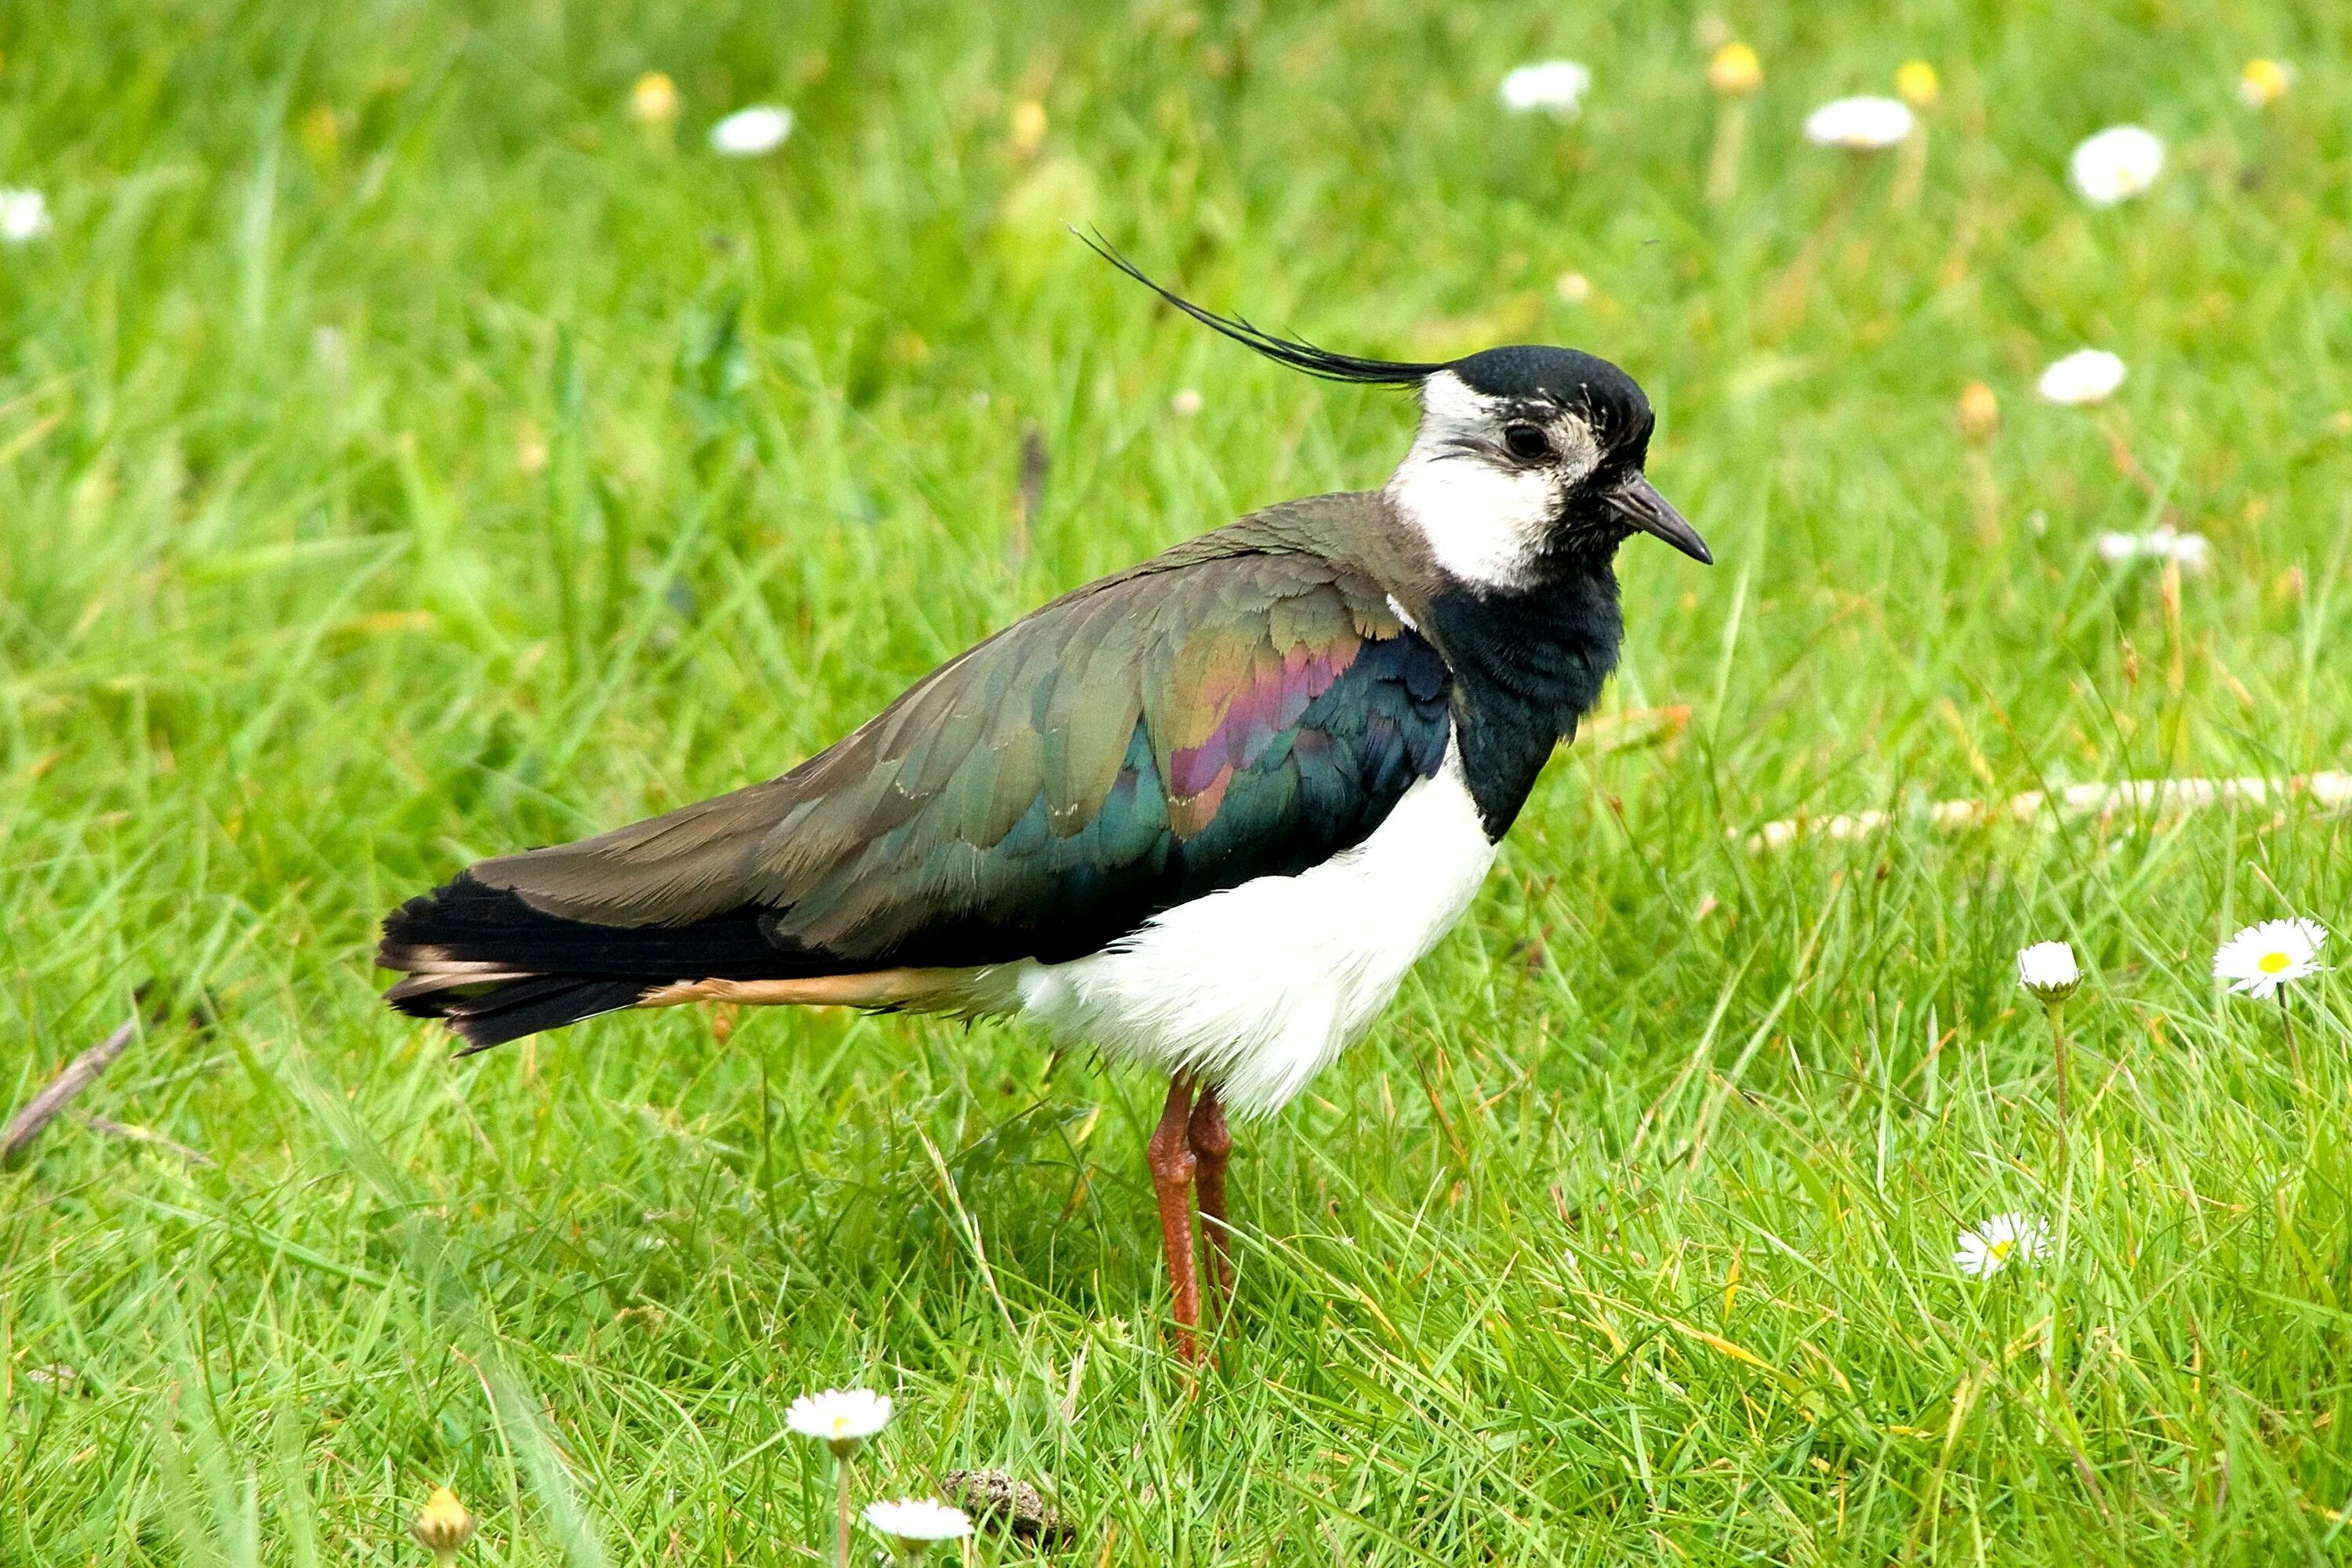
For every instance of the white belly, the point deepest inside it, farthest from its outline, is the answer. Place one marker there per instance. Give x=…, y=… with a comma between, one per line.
x=1256, y=988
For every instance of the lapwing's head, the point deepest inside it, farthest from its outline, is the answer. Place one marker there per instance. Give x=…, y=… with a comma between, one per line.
x=1528, y=460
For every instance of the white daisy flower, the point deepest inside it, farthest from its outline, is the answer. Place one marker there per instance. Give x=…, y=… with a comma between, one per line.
x=24, y=215
x=2118, y=162
x=916, y=1522
x=2048, y=970
x=748, y=133
x=2263, y=958
x=840, y=1418
x=1860, y=124
x=2087, y=376
x=1556, y=88
x=2191, y=551
x=2000, y=1241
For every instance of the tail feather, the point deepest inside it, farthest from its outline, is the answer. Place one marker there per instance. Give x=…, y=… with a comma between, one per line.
x=495, y=968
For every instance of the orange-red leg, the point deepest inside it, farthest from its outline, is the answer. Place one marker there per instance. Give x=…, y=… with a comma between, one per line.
x=1173, y=1165
x=1213, y=1142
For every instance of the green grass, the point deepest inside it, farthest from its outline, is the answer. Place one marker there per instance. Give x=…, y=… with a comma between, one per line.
x=401, y=460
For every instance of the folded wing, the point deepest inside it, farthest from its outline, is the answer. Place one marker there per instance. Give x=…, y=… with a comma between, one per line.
x=1163, y=734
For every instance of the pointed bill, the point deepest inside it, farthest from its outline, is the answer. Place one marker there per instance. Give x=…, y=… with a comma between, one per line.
x=1640, y=504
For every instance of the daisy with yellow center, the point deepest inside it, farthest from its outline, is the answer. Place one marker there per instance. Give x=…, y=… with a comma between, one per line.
x=2263, y=961
x=2004, y=1239
x=2116, y=164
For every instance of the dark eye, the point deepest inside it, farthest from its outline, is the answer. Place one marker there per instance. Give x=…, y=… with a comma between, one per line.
x=1526, y=443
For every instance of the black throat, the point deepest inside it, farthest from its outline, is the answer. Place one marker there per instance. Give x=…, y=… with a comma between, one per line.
x=1528, y=663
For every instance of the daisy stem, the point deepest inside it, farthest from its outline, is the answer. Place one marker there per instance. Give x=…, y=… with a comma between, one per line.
x=2058, y=1057
x=1730, y=143
x=841, y=1538
x=2294, y=1048
x=1910, y=168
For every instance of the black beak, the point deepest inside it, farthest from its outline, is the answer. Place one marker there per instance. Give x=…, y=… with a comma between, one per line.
x=1645, y=509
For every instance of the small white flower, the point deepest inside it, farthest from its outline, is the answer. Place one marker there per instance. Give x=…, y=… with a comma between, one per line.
x=2004, y=1240
x=1556, y=88
x=24, y=215
x=840, y=1418
x=2118, y=162
x=748, y=133
x=1861, y=124
x=1187, y=403
x=1573, y=288
x=2191, y=551
x=2048, y=970
x=2087, y=376
x=918, y=1520
x=2262, y=958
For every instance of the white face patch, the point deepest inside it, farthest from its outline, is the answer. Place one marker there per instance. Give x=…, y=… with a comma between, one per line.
x=1485, y=517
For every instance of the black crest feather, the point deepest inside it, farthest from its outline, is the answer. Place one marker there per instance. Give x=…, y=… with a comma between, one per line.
x=1296, y=352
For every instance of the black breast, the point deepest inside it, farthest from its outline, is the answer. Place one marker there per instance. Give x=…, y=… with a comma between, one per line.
x=1527, y=666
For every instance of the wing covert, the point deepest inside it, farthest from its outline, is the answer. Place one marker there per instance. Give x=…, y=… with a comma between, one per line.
x=1132, y=746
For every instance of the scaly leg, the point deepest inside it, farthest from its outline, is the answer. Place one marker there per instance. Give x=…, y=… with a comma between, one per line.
x=1211, y=1143
x=1173, y=1162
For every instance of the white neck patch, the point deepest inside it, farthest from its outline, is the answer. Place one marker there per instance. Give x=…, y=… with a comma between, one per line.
x=1485, y=521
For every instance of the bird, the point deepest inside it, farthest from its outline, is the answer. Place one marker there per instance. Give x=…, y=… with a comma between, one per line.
x=1202, y=815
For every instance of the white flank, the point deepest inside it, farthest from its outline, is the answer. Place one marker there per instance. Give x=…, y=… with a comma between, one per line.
x=1485, y=521
x=1257, y=988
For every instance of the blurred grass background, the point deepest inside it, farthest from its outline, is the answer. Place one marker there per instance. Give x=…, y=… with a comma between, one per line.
x=403, y=457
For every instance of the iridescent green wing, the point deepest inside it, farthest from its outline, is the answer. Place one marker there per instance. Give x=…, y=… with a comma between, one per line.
x=1210, y=718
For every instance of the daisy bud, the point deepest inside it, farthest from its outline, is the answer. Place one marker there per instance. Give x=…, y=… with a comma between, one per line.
x=442, y=1526
x=1980, y=411
x=654, y=99
x=2047, y=971
x=1735, y=72
x=1028, y=128
x=1915, y=84
x=2265, y=82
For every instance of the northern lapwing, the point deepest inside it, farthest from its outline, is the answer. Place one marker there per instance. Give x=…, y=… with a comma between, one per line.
x=1202, y=815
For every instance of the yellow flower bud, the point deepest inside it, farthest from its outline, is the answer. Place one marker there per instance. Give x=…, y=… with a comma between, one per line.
x=1915, y=83
x=442, y=1525
x=654, y=99
x=2265, y=82
x=1980, y=411
x=1735, y=71
x=1028, y=128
